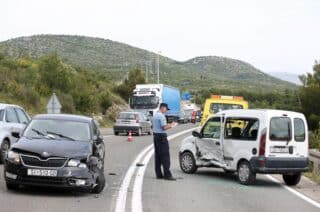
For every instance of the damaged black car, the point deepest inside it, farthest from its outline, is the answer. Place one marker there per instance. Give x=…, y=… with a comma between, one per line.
x=64, y=151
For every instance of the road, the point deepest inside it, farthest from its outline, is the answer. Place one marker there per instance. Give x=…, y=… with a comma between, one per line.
x=207, y=190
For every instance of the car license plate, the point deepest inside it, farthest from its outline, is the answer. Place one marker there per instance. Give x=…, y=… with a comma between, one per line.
x=42, y=172
x=279, y=149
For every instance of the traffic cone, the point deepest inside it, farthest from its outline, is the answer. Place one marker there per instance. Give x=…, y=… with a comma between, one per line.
x=130, y=139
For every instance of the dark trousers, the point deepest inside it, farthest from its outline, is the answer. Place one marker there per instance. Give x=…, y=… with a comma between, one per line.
x=161, y=155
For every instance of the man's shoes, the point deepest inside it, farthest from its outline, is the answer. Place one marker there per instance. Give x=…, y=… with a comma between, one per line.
x=170, y=178
x=159, y=178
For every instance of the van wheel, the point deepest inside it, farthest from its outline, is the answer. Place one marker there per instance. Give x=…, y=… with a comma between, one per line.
x=100, y=182
x=188, y=163
x=4, y=149
x=116, y=133
x=245, y=174
x=291, y=179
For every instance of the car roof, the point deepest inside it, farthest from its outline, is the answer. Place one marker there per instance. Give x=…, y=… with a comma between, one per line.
x=259, y=112
x=3, y=105
x=64, y=117
x=135, y=112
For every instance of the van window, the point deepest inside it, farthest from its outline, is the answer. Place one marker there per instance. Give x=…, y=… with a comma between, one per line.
x=11, y=115
x=212, y=128
x=242, y=128
x=1, y=115
x=280, y=129
x=299, y=130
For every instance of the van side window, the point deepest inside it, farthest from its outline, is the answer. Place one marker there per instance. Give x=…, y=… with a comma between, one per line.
x=299, y=130
x=1, y=115
x=212, y=128
x=242, y=128
x=280, y=129
x=11, y=115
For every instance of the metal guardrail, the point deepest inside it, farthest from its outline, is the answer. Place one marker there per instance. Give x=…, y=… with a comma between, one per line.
x=314, y=158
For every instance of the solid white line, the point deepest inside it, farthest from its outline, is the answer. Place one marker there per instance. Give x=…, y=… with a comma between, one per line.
x=122, y=195
x=300, y=195
x=136, y=203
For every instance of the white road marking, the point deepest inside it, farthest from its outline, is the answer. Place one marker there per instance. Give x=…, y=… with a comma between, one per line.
x=123, y=191
x=300, y=195
x=136, y=203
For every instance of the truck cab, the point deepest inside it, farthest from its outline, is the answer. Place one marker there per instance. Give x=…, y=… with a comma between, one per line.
x=250, y=142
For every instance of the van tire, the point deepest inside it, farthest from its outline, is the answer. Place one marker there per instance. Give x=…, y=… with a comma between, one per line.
x=291, y=179
x=188, y=163
x=116, y=133
x=245, y=174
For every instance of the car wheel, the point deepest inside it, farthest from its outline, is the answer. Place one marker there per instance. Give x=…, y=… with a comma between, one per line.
x=245, y=174
x=4, y=149
x=291, y=180
x=100, y=182
x=116, y=133
x=12, y=186
x=188, y=163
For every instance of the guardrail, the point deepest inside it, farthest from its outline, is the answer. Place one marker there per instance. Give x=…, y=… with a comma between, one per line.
x=314, y=158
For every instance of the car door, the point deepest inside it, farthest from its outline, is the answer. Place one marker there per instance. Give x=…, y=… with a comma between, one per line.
x=209, y=143
x=12, y=123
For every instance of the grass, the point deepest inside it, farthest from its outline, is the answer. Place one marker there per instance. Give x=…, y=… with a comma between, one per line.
x=313, y=176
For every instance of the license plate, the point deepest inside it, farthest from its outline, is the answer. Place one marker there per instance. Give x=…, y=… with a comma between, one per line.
x=279, y=149
x=42, y=172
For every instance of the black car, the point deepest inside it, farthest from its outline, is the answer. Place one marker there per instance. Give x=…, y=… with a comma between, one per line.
x=65, y=151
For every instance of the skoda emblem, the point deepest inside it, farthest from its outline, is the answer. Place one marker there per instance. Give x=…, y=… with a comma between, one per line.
x=45, y=154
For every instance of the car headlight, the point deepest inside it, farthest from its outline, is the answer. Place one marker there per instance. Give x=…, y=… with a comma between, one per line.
x=14, y=157
x=76, y=163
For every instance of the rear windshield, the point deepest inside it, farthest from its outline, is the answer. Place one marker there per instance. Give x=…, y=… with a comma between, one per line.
x=217, y=107
x=280, y=129
x=131, y=116
x=299, y=130
x=1, y=115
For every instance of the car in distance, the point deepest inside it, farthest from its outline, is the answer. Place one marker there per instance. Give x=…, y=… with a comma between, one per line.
x=64, y=151
x=13, y=119
x=183, y=118
x=136, y=122
x=250, y=142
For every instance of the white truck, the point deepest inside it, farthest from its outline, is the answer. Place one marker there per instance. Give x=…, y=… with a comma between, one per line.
x=146, y=98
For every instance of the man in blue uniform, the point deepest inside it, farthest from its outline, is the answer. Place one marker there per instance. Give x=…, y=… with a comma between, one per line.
x=161, y=145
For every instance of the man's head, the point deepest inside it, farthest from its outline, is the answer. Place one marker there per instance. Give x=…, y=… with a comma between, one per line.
x=164, y=107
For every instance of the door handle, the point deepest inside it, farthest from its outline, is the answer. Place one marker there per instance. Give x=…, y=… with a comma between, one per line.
x=217, y=143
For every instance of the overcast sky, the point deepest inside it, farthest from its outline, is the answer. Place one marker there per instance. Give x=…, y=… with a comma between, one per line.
x=273, y=35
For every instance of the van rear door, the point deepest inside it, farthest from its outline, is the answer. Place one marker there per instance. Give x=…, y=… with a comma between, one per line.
x=287, y=137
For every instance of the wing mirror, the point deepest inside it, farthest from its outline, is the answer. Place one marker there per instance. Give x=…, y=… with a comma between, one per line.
x=15, y=134
x=196, y=134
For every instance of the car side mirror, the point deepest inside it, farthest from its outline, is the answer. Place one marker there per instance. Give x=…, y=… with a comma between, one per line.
x=196, y=134
x=15, y=134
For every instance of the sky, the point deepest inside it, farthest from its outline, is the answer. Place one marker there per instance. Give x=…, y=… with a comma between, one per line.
x=273, y=35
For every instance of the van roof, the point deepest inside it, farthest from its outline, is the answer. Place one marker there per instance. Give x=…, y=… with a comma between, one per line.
x=3, y=105
x=260, y=112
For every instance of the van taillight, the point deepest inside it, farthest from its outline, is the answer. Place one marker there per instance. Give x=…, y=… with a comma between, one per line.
x=137, y=119
x=263, y=139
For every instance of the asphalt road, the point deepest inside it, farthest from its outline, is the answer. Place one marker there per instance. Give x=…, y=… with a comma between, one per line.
x=206, y=190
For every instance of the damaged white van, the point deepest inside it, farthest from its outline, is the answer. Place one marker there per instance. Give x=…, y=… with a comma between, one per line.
x=250, y=142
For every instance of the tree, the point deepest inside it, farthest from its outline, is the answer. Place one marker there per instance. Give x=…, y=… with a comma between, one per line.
x=309, y=96
x=135, y=77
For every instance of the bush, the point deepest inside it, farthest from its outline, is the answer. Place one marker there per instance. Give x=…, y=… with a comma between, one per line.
x=314, y=139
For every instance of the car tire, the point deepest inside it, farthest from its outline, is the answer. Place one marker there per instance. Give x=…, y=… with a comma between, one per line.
x=188, y=163
x=116, y=133
x=100, y=182
x=12, y=186
x=245, y=174
x=291, y=179
x=4, y=149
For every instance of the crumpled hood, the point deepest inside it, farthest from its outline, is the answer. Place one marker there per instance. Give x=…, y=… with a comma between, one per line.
x=58, y=148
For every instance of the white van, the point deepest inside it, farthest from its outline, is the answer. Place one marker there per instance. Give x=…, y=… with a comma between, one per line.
x=250, y=142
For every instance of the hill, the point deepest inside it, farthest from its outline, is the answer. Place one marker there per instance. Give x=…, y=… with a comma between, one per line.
x=293, y=78
x=116, y=59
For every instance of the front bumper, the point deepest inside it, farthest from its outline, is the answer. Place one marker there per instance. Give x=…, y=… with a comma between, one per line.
x=279, y=165
x=126, y=129
x=66, y=177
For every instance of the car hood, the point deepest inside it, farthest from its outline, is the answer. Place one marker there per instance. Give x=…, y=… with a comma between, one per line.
x=57, y=148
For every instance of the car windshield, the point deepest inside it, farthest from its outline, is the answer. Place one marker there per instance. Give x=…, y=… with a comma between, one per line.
x=142, y=102
x=130, y=116
x=58, y=129
x=217, y=107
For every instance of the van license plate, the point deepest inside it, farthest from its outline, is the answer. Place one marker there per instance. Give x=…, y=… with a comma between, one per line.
x=42, y=172
x=279, y=149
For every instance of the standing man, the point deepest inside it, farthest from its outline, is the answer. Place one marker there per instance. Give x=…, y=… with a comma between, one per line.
x=161, y=145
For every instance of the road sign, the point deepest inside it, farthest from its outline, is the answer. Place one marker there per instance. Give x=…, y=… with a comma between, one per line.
x=54, y=105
